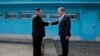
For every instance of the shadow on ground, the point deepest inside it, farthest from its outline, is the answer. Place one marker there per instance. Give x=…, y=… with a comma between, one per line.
x=76, y=48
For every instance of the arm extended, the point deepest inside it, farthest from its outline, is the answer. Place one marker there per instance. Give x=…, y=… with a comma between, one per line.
x=41, y=22
x=54, y=23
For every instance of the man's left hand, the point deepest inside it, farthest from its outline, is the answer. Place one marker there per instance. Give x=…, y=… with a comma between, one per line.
x=67, y=37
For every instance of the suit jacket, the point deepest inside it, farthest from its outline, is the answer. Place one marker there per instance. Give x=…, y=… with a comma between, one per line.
x=38, y=27
x=64, y=26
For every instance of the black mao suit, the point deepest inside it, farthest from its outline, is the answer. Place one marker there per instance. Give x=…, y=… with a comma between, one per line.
x=38, y=32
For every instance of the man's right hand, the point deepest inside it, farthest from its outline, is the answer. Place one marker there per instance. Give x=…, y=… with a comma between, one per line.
x=49, y=22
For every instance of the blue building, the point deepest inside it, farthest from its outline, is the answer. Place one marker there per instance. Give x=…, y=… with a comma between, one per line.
x=16, y=18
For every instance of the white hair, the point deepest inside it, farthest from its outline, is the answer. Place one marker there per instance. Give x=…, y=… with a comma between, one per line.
x=60, y=8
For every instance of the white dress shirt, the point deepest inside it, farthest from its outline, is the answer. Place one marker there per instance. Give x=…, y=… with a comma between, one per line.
x=61, y=17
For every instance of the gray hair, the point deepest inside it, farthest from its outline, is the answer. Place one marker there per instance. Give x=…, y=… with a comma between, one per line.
x=61, y=9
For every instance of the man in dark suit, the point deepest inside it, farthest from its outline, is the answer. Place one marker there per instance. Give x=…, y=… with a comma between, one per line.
x=64, y=30
x=38, y=32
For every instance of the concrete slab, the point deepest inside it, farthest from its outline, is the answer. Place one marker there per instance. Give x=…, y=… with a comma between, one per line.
x=50, y=49
x=16, y=49
x=80, y=48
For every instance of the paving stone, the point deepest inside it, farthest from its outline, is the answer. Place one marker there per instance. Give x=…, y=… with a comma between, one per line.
x=16, y=49
x=80, y=48
x=50, y=49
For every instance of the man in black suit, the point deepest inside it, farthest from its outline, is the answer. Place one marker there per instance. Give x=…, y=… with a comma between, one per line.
x=64, y=30
x=38, y=32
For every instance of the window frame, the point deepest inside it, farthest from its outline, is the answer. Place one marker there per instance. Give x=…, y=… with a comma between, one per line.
x=3, y=15
x=15, y=16
x=77, y=16
x=25, y=14
x=99, y=16
x=44, y=13
x=53, y=13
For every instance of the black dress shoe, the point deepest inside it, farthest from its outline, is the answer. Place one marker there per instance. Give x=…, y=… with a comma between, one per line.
x=60, y=55
x=41, y=54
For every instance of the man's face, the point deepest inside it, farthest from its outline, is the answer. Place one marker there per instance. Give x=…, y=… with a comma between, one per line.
x=60, y=13
x=38, y=12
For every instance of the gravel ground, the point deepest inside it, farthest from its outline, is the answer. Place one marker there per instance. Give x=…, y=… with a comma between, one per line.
x=80, y=48
x=13, y=49
x=9, y=48
x=76, y=48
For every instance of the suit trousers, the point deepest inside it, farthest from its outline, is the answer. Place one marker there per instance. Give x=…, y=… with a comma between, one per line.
x=37, y=42
x=65, y=45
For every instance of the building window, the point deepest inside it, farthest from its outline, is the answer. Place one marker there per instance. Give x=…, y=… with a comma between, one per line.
x=1, y=15
x=11, y=15
x=73, y=16
x=53, y=15
x=25, y=15
x=99, y=16
x=44, y=14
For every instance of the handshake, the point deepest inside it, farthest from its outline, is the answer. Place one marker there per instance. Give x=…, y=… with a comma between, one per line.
x=53, y=23
x=50, y=23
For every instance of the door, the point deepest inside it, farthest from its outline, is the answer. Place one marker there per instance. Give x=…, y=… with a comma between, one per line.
x=88, y=26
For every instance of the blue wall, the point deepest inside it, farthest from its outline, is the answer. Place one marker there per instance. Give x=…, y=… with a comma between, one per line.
x=24, y=26
x=49, y=1
x=18, y=23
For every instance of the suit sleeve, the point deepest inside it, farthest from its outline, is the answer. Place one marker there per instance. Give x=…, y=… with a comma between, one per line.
x=41, y=22
x=68, y=26
x=55, y=23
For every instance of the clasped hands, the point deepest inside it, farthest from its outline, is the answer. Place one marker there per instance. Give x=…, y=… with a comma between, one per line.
x=49, y=22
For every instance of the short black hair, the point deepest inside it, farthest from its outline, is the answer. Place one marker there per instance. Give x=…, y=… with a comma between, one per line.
x=37, y=9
